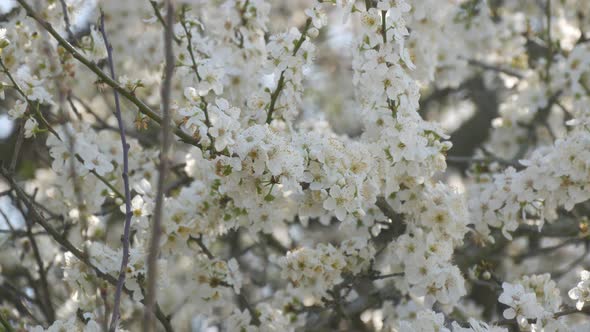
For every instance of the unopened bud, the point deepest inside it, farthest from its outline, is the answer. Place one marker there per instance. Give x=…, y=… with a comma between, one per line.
x=313, y=33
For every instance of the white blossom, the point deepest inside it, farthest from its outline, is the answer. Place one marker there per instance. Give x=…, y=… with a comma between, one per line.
x=581, y=293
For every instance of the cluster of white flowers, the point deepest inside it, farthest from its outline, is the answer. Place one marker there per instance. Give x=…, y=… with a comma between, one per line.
x=533, y=298
x=322, y=268
x=581, y=293
x=554, y=177
x=271, y=219
x=428, y=320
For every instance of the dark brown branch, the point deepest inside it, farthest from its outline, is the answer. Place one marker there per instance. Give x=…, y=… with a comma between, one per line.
x=203, y=247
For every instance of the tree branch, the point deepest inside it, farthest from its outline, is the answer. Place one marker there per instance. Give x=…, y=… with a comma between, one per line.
x=281, y=84
x=152, y=266
x=48, y=309
x=67, y=245
x=142, y=107
x=128, y=213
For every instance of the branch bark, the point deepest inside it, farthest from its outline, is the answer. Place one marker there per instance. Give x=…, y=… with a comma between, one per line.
x=152, y=266
x=128, y=214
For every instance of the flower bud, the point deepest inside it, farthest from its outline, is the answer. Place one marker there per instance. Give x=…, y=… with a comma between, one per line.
x=313, y=33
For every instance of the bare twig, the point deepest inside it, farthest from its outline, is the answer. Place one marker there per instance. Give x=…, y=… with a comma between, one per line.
x=102, y=123
x=385, y=276
x=48, y=309
x=161, y=20
x=546, y=250
x=486, y=160
x=17, y=145
x=9, y=295
x=44, y=300
x=64, y=9
x=383, y=28
x=9, y=287
x=67, y=245
x=152, y=266
x=203, y=246
x=486, y=66
x=549, y=44
x=127, y=225
x=569, y=267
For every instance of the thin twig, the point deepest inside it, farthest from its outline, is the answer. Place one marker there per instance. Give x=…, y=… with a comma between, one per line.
x=40, y=286
x=549, y=44
x=64, y=117
x=385, y=276
x=487, y=160
x=203, y=246
x=48, y=309
x=161, y=20
x=102, y=122
x=18, y=292
x=152, y=266
x=10, y=296
x=29, y=102
x=281, y=83
x=545, y=250
x=17, y=145
x=5, y=324
x=142, y=107
x=12, y=80
x=486, y=66
x=67, y=245
x=383, y=24
x=64, y=9
x=241, y=297
x=194, y=66
x=105, y=320
x=128, y=213
x=569, y=267
x=52, y=131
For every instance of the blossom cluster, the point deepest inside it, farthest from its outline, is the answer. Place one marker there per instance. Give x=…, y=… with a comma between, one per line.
x=272, y=217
